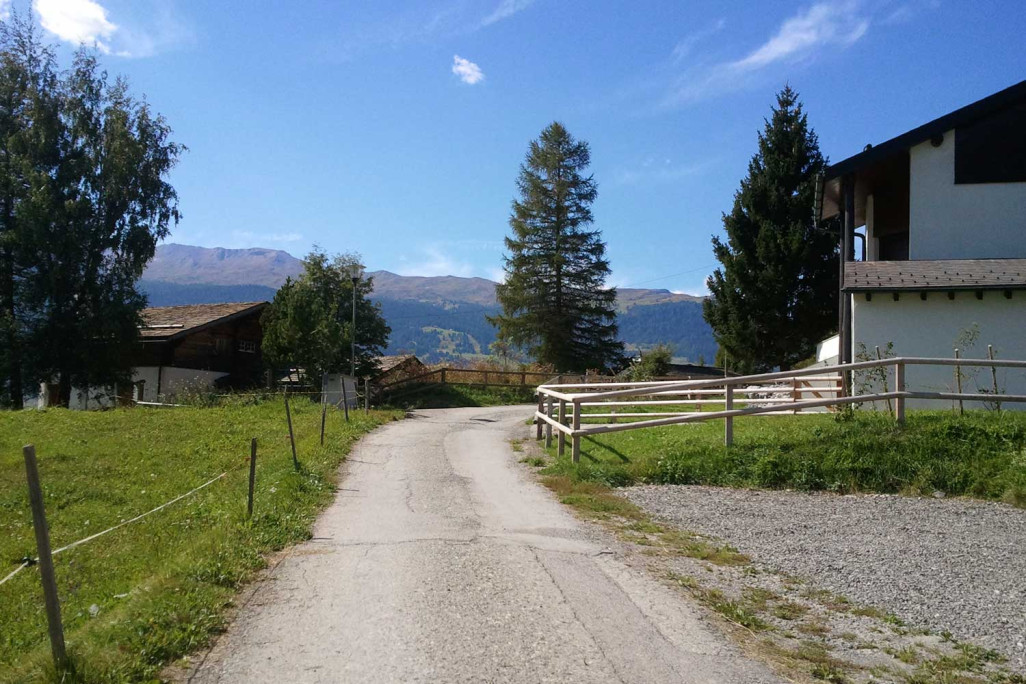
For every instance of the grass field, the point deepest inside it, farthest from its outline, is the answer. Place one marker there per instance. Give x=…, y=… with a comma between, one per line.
x=981, y=454
x=156, y=589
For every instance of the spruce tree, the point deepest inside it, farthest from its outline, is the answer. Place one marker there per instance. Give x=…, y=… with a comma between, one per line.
x=554, y=301
x=775, y=295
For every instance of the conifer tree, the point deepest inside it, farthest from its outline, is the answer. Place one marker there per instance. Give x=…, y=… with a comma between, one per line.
x=775, y=295
x=554, y=301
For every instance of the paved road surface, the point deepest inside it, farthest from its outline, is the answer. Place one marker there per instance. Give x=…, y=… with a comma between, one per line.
x=441, y=561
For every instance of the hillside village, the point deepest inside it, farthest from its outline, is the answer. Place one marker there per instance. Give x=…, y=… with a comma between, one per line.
x=282, y=460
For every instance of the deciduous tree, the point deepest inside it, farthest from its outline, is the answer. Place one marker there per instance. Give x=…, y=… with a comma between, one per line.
x=309, y=323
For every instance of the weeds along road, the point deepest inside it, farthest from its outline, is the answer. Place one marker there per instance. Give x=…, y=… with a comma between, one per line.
x=440, y=560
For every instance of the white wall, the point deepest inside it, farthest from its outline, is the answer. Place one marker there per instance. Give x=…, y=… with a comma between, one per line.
x=332, y=388
x=930, y=328
x=948, y=221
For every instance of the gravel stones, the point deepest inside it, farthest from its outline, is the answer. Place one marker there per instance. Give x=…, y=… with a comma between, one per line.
x=949, y=564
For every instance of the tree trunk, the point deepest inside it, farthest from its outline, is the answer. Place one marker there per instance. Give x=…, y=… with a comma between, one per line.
x=13, y=346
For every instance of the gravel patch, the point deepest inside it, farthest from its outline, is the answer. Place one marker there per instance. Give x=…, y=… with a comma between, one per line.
x=945, y=564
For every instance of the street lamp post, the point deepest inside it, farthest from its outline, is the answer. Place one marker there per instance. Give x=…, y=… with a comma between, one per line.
x=352, y=339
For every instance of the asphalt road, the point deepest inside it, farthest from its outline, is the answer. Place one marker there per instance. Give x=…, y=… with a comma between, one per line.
x=440, y=560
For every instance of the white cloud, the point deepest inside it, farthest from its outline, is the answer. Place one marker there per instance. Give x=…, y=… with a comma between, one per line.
x=824, y=24
x=77, y=21
x=468, y=72
x=833, y=24
x=506, y=9
x=86, y=22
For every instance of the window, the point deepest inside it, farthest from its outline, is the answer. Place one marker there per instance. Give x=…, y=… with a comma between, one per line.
x=992, y=150
x=247, y=346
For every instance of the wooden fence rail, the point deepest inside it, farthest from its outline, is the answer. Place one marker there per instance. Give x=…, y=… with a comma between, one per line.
x=747, y=395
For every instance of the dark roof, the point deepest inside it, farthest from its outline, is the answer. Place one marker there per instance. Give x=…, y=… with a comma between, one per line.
x=387, y=363
x=960, y=117
x=162, y=323
x=952, y=274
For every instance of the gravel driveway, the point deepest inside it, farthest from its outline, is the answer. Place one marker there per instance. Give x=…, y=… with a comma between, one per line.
x=947, y=564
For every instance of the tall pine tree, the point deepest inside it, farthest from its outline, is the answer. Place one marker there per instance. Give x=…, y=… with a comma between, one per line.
x=775, y=295
x=554, y=302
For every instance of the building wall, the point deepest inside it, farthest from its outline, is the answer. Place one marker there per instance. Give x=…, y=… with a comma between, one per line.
x=171, y=380
x=931, y=328
x=948, y=221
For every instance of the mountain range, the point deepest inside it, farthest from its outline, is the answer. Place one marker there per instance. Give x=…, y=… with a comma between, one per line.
x=439, y=318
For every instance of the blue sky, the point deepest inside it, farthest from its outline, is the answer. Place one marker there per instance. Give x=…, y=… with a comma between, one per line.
x=395, y=129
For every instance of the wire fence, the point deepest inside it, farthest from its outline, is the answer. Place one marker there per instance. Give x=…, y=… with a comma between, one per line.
x=44, y=557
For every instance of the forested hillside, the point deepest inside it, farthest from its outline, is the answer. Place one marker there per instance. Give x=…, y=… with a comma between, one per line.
x=439, y=319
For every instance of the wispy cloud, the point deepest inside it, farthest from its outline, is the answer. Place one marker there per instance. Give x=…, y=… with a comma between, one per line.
x=423, y=23
x=252, y=239
x=654, y=170
x=506, y=9
x=829, y=24
x=87, y=22
x=687, y=44
x=468, y=72
x=435, y=261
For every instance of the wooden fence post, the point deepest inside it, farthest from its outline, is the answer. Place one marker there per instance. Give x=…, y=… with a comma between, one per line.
x=728, y=422
x=890, y=410
x=561, y=439
x=252, y=476
x=537, y=420
x=324, y=412
x=292, y=435
x=46, y=574
x=958, y=383
x=576, y=439
x=548, y=426
x=899, y=386
x=345, y=398
x=993, y=375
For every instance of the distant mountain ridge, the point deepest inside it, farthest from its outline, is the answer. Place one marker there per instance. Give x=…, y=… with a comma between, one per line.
x=436, y=317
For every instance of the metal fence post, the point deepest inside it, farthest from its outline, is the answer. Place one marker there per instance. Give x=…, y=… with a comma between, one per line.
x=548, y=426
x=728, y=422
x=324, y=412
x=252, y=476
x=561, y=439
x=46, y=574
x=576, y=439
x=899, y=386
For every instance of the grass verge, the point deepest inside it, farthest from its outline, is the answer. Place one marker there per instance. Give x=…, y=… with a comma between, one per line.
x=156, y=589
x=981, y=454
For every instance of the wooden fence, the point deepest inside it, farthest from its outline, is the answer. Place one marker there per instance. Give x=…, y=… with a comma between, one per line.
x=562, y=406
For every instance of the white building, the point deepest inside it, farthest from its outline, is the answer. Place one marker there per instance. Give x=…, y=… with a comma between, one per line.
x=934, y=243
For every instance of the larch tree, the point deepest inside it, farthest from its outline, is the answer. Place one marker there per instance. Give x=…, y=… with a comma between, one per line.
x=775, y=295
x=555, y=304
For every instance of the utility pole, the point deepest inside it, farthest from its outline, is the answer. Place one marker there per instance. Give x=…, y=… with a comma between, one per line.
x=352, y=340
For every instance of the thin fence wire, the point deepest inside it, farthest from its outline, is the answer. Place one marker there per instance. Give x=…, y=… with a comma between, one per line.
x=72, y=545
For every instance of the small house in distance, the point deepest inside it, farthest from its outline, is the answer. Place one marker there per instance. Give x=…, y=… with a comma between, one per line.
x=395, y=368
x=198, y=345
x=933, y=242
